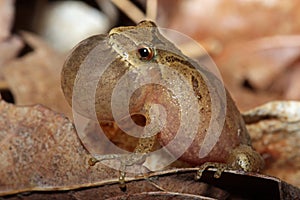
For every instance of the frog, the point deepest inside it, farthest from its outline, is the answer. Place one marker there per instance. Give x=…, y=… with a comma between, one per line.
x=134, y=46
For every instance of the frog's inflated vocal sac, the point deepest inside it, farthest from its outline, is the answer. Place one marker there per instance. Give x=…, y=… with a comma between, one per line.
x=132, y=47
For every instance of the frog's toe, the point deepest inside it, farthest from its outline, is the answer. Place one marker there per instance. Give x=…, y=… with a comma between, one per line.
x=219, y=172
x=219, y=166
x=92, y=161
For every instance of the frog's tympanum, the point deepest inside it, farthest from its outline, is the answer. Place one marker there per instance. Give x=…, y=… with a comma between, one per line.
x=134, y=46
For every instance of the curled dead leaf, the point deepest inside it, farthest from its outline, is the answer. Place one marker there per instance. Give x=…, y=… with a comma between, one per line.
x=275, y=131
x=39, y=150
x=9, y=49
x=265, y=69
x=261, y=61
x=35, y=77
x=230, y=21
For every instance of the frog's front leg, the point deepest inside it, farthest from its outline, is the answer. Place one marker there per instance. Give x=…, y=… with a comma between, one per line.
x=138, y=156
x=125, y=161
x=219, y=166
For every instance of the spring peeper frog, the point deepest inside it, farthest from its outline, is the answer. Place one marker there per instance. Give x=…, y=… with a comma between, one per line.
x=133, y=47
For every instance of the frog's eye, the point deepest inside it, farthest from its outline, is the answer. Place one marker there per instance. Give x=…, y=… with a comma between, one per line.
x=145, y=53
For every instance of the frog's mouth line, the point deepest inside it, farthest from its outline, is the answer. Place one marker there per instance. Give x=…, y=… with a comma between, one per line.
x=124, y=56
x=122, y=53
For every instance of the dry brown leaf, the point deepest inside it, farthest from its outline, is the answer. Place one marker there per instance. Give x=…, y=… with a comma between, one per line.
x=35, y=77
x=260, y=70
x=40, y=151
x=275, y=131
x=230, y=21
x=9, y=49
x=261, y=61
x=181, y=183
x=288, y=82
x=293, y=91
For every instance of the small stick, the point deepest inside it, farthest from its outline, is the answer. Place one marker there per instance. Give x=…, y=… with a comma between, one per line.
x=191, y=50
x=109, y=9
x=151, y=10
x=134, y=13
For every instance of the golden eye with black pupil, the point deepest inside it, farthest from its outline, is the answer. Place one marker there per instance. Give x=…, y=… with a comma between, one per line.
x=145, y=53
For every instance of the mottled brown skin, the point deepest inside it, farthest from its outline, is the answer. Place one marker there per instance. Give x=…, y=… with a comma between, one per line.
x=233, y=149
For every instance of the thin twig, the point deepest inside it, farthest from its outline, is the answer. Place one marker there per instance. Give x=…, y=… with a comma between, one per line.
x=133, y=12
x=192, y=49
x=109, y=9
x=151, y=10
x=155, y=184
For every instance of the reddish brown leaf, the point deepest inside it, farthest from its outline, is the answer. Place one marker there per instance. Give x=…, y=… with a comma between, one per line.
x=9, y=49
x=261, y=70
x=231, y=21
x=40, y=151
x=35, y=77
